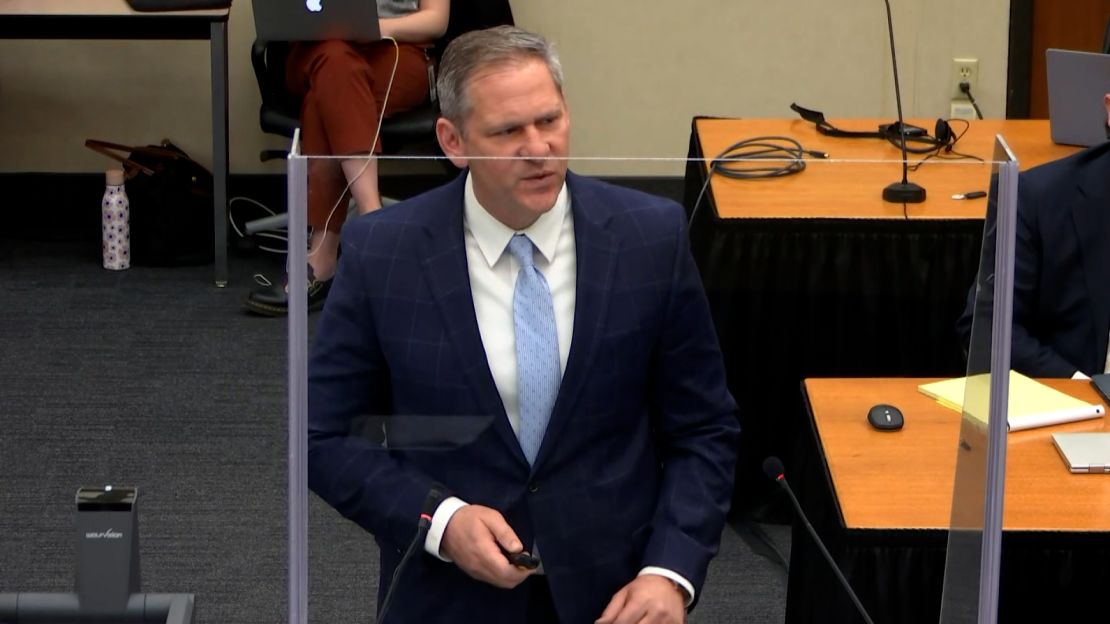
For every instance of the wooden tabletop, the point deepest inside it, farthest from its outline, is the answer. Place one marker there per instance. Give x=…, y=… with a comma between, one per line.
x=903, y=479
x=99, y=8
x=853, y=190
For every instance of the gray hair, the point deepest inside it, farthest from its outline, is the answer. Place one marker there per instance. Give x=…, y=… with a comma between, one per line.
x=478, y=49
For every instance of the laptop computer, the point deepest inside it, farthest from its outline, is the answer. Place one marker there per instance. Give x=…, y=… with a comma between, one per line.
x=1084, y=452
x=1077, y=82
x=316, y=20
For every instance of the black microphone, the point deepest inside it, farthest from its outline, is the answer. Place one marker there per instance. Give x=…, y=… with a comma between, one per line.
x=904, y=192
x=431, y=502
x=772, y=467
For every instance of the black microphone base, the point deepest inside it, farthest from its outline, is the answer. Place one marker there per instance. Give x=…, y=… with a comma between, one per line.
x=904, y=193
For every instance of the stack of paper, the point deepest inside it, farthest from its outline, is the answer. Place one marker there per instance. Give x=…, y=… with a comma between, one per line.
x=1032, y=404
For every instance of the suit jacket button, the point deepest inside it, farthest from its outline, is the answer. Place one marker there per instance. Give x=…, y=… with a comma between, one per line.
x=533, y=487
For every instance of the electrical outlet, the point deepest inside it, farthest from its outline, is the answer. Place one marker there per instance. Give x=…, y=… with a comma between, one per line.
x=964, y=70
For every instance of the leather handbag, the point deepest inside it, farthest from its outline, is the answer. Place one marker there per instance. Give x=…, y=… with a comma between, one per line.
x=170, y=196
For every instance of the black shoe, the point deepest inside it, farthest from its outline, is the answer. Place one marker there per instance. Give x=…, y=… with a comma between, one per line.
x=273, y=300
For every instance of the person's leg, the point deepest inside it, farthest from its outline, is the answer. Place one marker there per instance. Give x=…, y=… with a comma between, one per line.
x=331, y=77
x=409, y=89
x=343, y=86
x=362, y=175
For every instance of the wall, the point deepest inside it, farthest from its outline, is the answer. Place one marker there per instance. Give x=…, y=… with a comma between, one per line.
x=637, y=71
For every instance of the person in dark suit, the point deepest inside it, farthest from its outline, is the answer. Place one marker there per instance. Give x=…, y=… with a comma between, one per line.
x=561, y=323
x=1062, y=266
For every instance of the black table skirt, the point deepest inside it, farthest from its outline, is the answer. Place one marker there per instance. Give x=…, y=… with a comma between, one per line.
x=797, y=298
x=899, y=574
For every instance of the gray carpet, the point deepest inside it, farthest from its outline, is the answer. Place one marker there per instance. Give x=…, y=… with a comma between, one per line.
x=155, y=378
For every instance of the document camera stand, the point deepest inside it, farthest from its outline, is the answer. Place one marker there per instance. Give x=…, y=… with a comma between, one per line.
x=107, y=583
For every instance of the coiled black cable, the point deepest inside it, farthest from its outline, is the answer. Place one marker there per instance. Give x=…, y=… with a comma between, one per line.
x=741, y=161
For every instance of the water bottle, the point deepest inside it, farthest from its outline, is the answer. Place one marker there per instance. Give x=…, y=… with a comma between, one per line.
x=115, y=228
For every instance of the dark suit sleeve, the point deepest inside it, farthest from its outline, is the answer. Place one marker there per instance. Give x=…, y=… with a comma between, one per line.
x=348, y=393
x=1029, y=355
x=696, y=426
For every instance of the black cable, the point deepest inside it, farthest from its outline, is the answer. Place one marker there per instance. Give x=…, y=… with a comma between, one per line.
x=929, y=143
x=889, y=132
x=965, y=87
x=946, y=151
x=735, y=161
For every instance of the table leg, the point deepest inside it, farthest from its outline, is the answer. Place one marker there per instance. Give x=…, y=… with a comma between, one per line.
x=218, y=38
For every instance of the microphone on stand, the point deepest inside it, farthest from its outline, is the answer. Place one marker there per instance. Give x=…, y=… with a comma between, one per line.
x=904, y=192
x=772, y=467
x=435, y=496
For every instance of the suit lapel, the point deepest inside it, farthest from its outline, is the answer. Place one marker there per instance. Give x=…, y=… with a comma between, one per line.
x=596, y=254
x=1091, y=215
x=445, y=269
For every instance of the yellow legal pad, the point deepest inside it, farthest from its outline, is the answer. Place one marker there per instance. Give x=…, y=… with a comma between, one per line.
x=1032, y=404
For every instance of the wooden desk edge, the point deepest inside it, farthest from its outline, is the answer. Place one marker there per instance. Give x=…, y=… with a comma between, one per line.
x=1090, y=492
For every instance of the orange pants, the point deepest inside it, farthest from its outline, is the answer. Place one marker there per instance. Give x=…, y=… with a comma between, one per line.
x=343, y=85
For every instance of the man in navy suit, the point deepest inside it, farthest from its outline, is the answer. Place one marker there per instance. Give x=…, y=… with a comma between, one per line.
x=560, y=324
x=1062, y=266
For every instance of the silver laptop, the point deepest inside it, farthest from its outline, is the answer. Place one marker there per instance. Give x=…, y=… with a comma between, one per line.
x=316, y=20
x=1077, y=82
x=1084, y=452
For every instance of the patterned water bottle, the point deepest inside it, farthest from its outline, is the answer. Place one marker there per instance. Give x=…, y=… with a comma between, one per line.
x=115, y=217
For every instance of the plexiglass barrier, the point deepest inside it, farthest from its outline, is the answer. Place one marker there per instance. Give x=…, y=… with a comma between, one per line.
x=783, y=186
x=975, y=536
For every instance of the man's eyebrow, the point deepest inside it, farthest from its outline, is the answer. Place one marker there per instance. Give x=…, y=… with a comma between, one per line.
x=509, y=124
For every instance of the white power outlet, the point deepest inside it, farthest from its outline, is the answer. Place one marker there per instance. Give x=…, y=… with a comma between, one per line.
x=964, y=70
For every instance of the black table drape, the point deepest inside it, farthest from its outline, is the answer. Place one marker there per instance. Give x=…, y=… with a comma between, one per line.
x=1046, y=576
x=795, y=298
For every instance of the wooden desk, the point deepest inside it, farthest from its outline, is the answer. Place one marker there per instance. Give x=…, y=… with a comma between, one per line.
x=882, y=500
x=813, y=275
x=853, y=190
x=115, y=19
x=903, y=480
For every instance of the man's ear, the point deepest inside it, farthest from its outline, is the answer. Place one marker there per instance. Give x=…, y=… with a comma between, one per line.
x=451, y=142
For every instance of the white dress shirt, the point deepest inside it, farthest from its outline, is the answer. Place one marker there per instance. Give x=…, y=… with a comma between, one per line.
x=493, y=273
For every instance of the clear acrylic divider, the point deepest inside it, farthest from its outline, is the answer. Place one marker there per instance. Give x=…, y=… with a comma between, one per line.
x=975, y=532
x=824, y=182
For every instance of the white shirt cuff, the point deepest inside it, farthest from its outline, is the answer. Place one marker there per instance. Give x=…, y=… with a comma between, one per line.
x=440, y=519
x=1080, y=375
x=674, y=577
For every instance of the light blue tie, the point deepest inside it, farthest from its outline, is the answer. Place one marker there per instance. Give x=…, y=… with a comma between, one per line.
x=537, y=348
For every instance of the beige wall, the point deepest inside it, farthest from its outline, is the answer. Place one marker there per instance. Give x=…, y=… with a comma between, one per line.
x=637, y=71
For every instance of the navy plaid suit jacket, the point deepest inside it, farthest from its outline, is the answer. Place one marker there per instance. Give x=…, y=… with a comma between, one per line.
x=1061, y=266
x=636, y=467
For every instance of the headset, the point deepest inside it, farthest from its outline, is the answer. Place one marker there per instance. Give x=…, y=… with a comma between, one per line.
x=918, y=140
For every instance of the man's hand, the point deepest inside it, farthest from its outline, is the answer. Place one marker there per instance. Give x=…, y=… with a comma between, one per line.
x=649, y=599
x=471, y=540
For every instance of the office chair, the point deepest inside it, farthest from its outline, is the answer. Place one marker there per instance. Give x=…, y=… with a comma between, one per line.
x=412, y=131
x=279, y=112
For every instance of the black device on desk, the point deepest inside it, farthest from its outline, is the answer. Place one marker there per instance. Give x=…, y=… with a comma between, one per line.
x=1101, y=383
x=885, y=417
